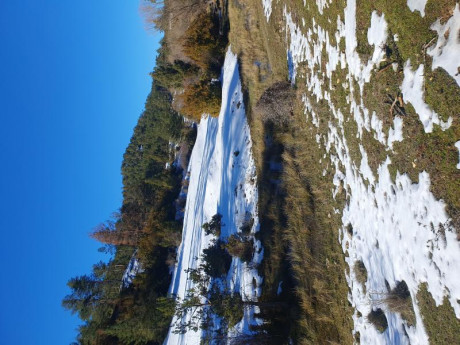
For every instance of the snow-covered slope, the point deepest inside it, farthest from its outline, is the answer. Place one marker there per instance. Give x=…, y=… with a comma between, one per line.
x=396, y=228
x=222, y=180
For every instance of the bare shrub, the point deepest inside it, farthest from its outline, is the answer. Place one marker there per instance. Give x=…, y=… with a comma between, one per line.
x=276, y=105
x=398, y=300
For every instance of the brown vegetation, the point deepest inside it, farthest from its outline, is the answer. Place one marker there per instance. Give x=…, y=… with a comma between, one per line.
x=276, y=105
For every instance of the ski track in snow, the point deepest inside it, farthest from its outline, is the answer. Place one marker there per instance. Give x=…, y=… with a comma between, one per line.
x=220, y=182
x=400, y=231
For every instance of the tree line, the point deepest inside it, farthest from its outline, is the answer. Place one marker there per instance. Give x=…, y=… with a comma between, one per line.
x=145, y=227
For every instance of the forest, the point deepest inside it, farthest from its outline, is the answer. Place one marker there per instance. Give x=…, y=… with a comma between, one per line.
x=147, y=227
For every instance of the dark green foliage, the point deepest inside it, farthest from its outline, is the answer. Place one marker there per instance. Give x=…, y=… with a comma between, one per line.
x=228, y=306
x=137, y=314
x=208, y=297
x=214, y=226
x=145, y=157
x=378, y=319
x=216, y=260
x=172, y=76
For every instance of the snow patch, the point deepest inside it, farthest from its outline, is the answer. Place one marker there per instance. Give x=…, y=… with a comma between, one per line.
x=395, y=133
x=267, y=4
x=322, y=4
x=377, y=36
x=412, y=89
x=220, y=182
x=131, y=271
x=417, y=5
x=446, y=52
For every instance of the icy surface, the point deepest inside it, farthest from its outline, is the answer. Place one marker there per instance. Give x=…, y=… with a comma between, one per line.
x=446, y=52
x=412, y=89
x=417, y=5
x=225, y=183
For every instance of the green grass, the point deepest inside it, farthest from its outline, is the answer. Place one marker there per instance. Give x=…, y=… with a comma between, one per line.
x=442, y=326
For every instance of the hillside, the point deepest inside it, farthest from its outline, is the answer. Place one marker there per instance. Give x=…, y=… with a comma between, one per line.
x=310, y=196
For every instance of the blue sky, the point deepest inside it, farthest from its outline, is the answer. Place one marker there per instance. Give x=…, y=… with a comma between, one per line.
x=73, y=81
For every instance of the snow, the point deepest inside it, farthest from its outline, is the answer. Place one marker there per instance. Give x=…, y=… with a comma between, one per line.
x=457, y=145
x=446, y=52
x=417, y=5
x=220, y=182
x=267, y=4
x=322, y=4
x=131, y=271
x=400, y=232
x=377, y=36
x=412, y=89
x=395, y=133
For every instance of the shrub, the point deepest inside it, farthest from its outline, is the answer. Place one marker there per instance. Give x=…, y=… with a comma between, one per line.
x=201, y=98
x=378, y=319
x=214, y=226
x=276, y=105
x=216, y=260
x=240, y=247
x=399, y=301
x=204, y=44
x=360, y=273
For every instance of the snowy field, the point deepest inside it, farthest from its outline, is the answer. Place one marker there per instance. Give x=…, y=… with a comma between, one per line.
x=398, y=229
x=222, y=180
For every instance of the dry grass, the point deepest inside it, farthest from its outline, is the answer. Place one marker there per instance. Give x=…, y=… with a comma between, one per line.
x=378, y=319
x=360, y=273
x=297, y=216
